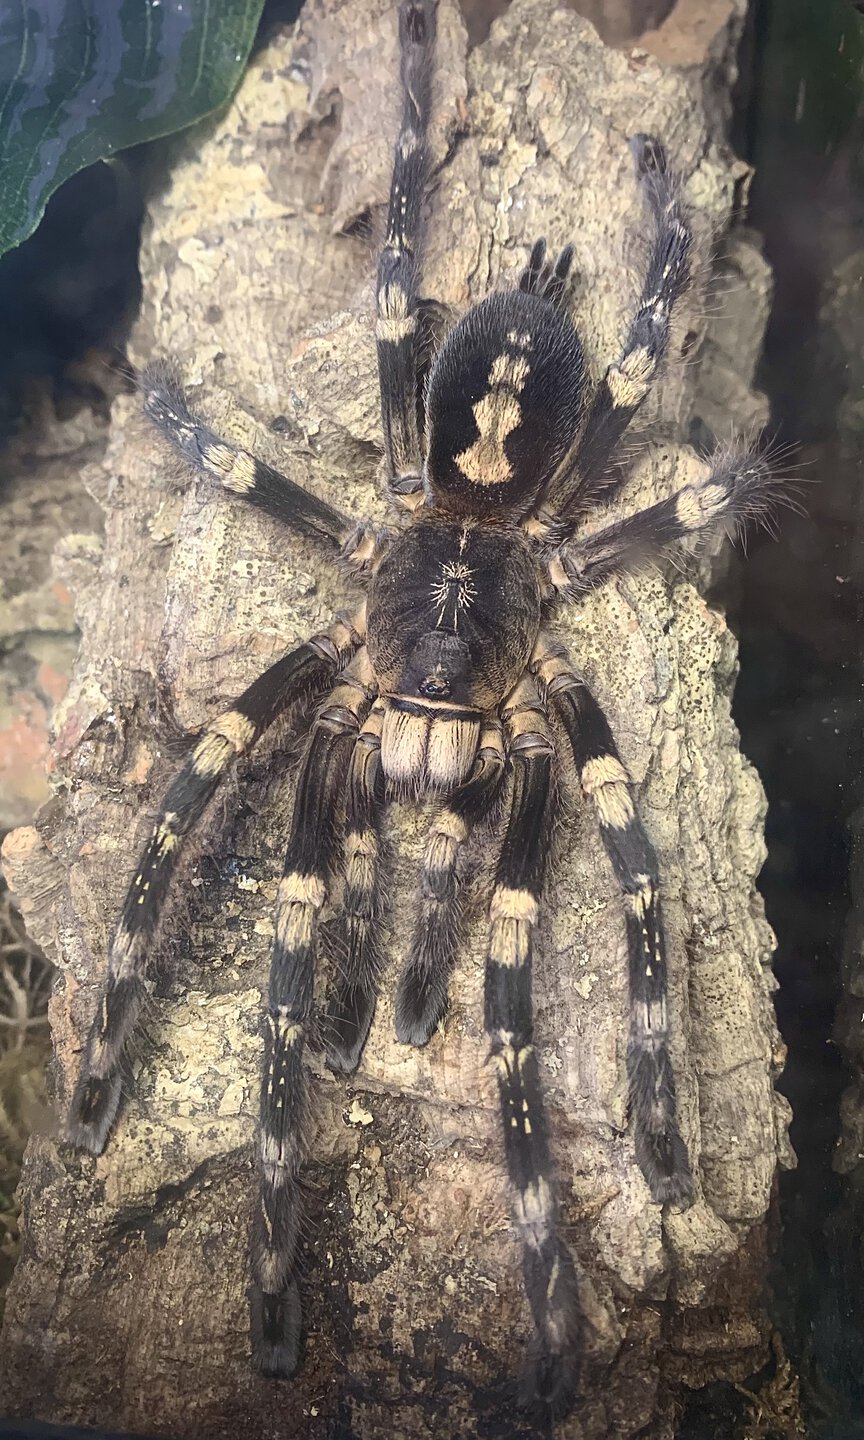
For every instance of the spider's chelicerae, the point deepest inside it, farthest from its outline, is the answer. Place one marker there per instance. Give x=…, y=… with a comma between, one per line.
x=445, y=682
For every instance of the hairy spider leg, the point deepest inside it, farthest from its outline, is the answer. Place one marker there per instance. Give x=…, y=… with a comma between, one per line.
x=399, y=264
x=583, y=480
x=550, y=1277
x=544, y=280
x=275, y=1300
x=660, y=1150
x=421, y=998
x=739, y=488
x=304, y=670
x=242, y=474
x=353, y=940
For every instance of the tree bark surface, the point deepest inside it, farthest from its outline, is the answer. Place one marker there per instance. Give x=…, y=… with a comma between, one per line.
x=128, y=1308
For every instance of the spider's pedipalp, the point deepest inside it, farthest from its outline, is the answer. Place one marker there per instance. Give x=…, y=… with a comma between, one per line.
x=550, y=1276
x=353, y=938
x=399, y=263
x=97, y=1093
x=740, y=489
x=421, y=998
x=238, y=471
x=660, y=1149
x=275, y=1310
x=583, y=478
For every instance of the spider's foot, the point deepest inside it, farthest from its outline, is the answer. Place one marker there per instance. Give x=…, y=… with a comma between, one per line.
x=345, y=1027
x=93, y=1110
x=421, y=1001
x=660, y=1150
x=663, y=1160
x=648, y=154
x=548, y=1385
x=275, y=1329
x=551, y=1375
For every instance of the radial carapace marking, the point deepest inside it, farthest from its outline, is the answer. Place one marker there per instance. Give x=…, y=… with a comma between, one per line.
x=453, y=592
x=497, y=414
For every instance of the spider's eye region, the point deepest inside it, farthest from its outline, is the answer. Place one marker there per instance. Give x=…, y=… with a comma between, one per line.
x=437, y=685
x=439, y=668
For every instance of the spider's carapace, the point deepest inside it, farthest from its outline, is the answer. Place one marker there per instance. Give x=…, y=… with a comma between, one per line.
x=453, y=615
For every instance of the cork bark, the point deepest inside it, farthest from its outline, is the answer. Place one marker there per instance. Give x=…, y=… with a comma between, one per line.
x=128, y=1307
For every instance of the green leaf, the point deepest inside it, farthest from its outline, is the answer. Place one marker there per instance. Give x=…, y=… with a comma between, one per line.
x=80, y=79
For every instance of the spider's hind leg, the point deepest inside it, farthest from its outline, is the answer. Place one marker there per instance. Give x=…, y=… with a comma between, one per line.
x=738, y=490
x=244, y=475
x=584, y=478
x=399, y=265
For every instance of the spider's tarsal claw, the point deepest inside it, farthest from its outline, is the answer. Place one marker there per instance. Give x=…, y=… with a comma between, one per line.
x=275, y=1331
x=663, y=1160
x=648, y=155
x=660, y=1150
x=93, y=1110
x=421, y=1002
x=346, y=1026
x=552, y=1369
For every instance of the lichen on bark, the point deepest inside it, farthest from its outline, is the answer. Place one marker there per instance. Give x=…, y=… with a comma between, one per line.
x=128, y=1308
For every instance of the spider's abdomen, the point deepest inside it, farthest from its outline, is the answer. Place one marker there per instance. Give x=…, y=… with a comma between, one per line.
x=453, y=616
x=504, y=401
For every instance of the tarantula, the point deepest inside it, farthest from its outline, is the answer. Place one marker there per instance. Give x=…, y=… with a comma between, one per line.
x=445, y=683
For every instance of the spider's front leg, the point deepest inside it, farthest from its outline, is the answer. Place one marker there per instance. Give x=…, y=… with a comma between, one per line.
x=310, y=667
x=353, y=938
x=275, y=1312
x=660, y=1150
x=550, y=1277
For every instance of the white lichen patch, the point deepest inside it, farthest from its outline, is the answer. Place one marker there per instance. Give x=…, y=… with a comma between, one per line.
x=357, y=1114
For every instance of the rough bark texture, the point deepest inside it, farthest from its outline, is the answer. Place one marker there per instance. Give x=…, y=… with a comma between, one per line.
x=128, y=1307
x=41, y=500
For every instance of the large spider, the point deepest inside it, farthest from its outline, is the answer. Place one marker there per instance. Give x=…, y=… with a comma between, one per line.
x=445, y=682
